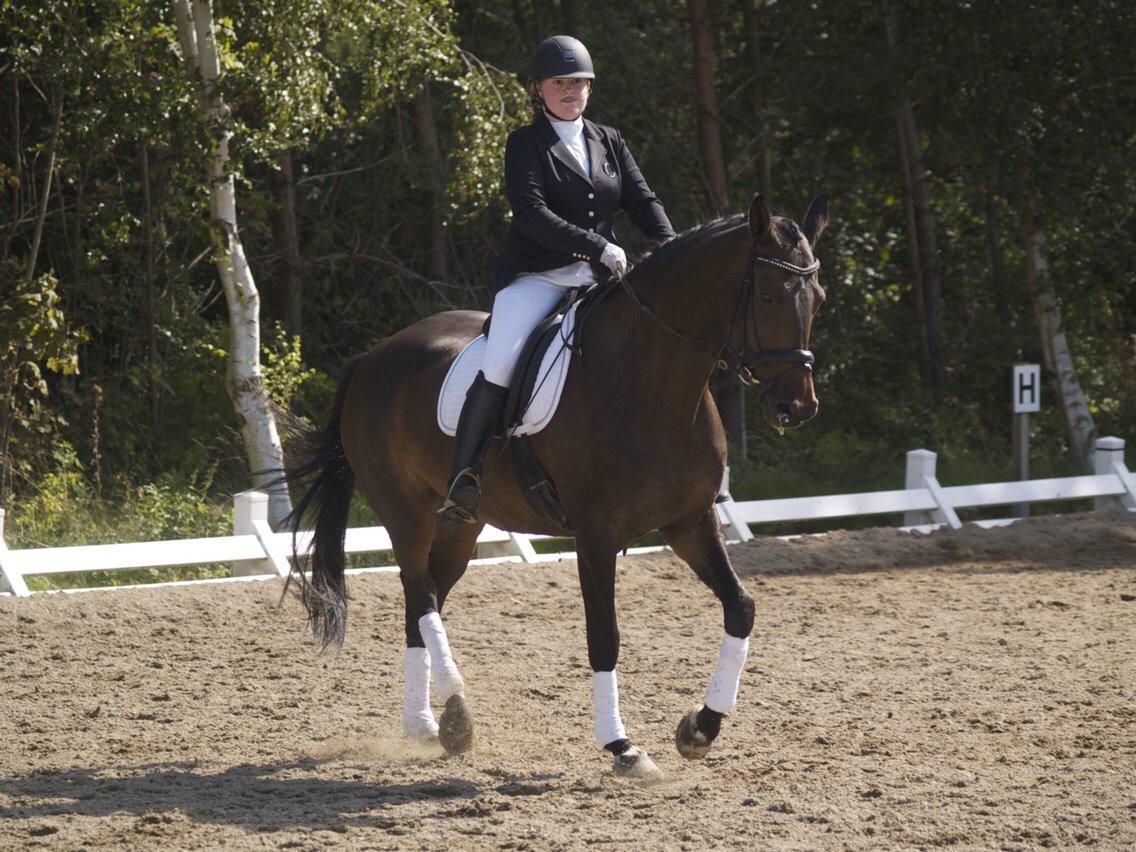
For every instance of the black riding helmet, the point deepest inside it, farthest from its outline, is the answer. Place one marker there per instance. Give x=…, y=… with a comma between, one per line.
x=561, y=56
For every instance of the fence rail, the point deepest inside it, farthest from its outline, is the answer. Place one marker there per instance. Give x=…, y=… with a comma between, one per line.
x=256, y=551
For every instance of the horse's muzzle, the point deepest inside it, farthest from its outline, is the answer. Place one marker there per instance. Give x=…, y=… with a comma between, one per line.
x=791, y=414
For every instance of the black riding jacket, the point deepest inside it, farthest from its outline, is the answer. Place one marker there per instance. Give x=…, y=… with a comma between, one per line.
x=561, y=215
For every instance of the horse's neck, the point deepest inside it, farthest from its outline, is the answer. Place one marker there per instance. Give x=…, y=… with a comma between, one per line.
x=690, y=295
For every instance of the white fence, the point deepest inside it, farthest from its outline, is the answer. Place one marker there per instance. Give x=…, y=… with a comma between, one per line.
x=255, y=551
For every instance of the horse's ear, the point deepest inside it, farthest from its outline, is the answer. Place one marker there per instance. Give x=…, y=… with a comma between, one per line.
x=816, y=218
x=759, y=217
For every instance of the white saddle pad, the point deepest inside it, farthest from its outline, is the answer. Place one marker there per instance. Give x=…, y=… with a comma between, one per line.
x=546, y=389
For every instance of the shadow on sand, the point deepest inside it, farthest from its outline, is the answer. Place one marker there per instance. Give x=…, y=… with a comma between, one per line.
x=247, y=795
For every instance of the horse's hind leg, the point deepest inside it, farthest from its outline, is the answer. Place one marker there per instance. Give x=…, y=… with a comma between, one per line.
x=450, y=553
x=411, y=547
x=429, y=565
x=428, y=569
x=701, y=545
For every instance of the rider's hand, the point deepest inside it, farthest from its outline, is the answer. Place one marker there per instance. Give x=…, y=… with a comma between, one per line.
x=615, y=259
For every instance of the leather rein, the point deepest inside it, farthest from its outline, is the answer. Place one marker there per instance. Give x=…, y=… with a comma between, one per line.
x=795, y=358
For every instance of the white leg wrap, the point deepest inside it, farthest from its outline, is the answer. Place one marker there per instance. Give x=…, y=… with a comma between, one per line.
x=447, y=681
x=609, y=727
x=417, y=717
x=722, y=693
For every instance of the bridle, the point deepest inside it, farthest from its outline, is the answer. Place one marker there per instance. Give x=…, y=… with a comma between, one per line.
x=795, y=358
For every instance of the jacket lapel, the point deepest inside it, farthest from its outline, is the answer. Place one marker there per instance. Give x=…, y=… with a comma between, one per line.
x=596, y=152
x=559, y=149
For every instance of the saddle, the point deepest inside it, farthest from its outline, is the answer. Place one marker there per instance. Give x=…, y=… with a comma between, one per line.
x=534, y=393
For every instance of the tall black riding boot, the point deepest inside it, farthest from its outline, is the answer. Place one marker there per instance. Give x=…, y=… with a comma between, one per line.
x=479, y=414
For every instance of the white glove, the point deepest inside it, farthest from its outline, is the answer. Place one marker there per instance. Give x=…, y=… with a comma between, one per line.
x=615, y=259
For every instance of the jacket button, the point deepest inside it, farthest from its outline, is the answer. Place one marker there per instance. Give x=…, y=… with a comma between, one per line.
x=591, y=195
x=591, y=212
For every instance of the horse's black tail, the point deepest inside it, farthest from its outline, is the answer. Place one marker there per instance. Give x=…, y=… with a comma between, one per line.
x=329, y=482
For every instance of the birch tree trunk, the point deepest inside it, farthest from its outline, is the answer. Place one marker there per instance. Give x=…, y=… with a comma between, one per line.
x=242, y=376
x=1079, y=424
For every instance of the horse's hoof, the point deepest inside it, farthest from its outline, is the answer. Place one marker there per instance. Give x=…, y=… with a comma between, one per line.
x=691, y=742
x=421, y=734
x=635, y=763
x=455, y=728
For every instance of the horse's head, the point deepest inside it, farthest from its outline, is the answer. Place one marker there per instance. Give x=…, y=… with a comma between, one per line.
x=779, y=300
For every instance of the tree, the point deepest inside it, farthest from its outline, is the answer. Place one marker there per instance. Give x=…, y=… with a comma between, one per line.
x=920, y=221
x=202, y=63
x=728, y=389
x=1055, y=348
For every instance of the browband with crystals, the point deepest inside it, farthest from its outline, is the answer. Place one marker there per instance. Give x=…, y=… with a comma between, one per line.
x=789, y=267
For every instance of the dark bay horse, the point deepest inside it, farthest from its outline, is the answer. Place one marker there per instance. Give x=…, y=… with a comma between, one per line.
x=636, y=445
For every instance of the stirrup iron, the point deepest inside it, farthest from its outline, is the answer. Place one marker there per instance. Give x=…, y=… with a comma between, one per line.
x=453, y=512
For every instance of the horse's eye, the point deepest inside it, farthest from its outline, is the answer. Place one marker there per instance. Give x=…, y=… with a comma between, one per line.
x=766, y=299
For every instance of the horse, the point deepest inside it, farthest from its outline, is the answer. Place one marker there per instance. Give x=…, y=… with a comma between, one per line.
x=636, y=445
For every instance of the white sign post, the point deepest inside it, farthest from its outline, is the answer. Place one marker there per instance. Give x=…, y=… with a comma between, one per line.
x=1026, y=393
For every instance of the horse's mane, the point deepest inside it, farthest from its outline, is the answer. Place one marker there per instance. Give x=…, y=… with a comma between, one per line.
x=666, y=252
x=785, y=232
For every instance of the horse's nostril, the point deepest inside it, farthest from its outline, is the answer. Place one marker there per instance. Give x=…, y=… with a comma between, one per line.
x=783, y=408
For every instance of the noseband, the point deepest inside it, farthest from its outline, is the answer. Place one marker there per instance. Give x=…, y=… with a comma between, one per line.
x=795, y=358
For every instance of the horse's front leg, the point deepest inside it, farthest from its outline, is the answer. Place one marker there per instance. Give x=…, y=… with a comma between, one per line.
x=596, y=564
x=700, y=545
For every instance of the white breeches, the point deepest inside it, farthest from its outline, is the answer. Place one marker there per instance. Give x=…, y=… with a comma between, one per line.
x=516, y=311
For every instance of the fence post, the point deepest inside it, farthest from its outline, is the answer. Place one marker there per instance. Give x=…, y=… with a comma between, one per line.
x=920, y=464
x=1108, y=453
x=522, y=547
x=729, y=519
x=249, y=507
x=10, y=579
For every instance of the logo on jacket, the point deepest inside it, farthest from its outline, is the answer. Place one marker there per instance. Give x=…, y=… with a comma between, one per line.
x=608, y=168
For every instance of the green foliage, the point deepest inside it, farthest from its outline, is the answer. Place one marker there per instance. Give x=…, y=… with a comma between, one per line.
x=34, y=337
x=65, y=510
x=489, y=104
x=283, y=373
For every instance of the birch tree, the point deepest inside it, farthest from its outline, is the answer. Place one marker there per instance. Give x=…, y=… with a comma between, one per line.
x=201, y=63
x=1079, y=424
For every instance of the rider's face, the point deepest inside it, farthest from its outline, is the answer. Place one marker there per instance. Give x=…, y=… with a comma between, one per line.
x=565, y=97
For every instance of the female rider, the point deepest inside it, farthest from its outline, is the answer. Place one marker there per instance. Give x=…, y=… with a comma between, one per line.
x=565, y=177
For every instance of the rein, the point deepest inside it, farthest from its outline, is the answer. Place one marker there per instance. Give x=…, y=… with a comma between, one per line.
x=795, y=358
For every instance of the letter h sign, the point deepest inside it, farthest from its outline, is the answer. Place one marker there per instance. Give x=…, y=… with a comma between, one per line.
x=1027, y=388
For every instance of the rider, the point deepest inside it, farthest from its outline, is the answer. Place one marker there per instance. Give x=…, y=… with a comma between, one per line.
x=565, y=177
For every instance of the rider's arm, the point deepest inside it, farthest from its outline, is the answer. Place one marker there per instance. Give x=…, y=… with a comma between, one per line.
x=524, y=185
x=642, y=205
